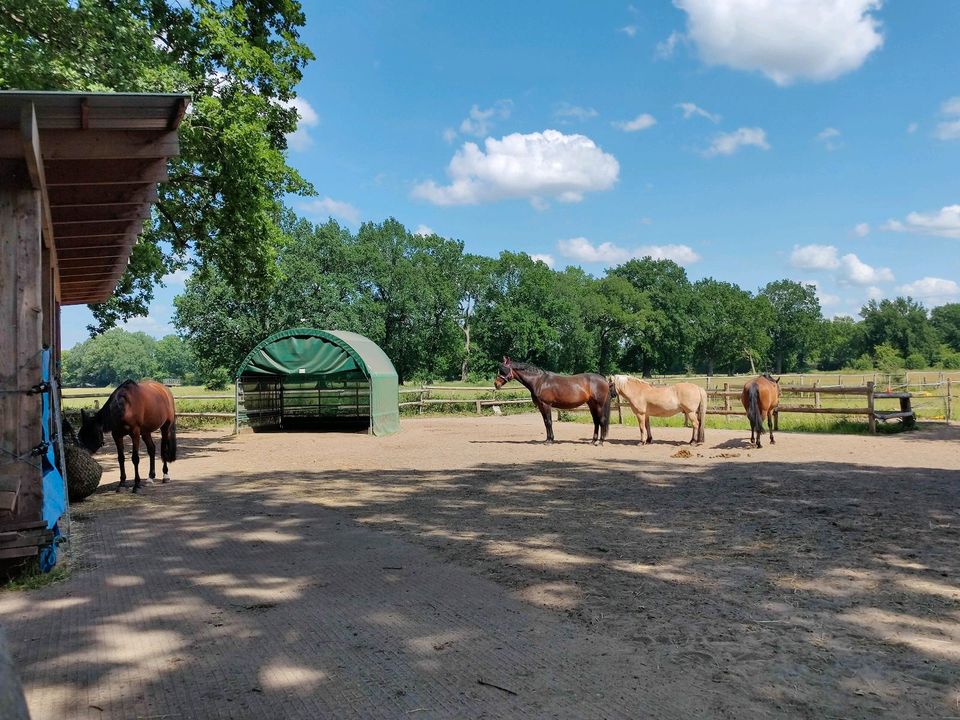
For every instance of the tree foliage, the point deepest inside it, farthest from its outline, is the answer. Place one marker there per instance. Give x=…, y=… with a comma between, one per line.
x=240, y=60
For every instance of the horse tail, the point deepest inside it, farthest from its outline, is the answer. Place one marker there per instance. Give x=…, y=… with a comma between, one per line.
x=701, y=416
x=606, y=411
x=753, y=409
x=168, y=444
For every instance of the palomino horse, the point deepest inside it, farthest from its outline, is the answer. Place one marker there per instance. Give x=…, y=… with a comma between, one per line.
x=135, y=409
x=566, y=392
x=646, y=401
x=760, y=397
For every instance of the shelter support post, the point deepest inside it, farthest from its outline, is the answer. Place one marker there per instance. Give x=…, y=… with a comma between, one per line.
x=21, y=336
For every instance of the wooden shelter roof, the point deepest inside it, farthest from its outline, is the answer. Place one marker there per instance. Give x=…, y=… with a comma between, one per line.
x=97, y=159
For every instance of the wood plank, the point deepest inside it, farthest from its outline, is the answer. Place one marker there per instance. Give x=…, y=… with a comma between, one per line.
x=30, y=136
x=85, y=195
x=105, y=172
x=99, y=213
x=108, y=144
x=8, y=501
x=9, y=553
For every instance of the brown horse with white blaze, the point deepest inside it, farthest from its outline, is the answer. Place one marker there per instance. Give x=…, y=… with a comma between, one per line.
x=135, y=409
x=566, y=392
x=760, y=398
x=647, y=400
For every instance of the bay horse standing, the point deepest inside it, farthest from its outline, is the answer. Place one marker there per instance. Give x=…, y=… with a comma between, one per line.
x=135, y=409
x=566, y=392
x=647, y=400
x=760, y=397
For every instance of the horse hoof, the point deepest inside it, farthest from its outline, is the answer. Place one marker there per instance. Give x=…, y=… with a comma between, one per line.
x=136, y=490
x=166, y=478
x=149, y=481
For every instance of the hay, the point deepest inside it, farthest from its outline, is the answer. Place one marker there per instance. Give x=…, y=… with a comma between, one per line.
x=83, y=472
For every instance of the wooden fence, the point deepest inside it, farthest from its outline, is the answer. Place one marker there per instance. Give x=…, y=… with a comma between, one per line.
x=724, y=399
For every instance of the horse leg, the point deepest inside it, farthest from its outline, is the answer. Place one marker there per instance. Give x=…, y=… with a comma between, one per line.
x=649, y=434
x=118, y=439
x=547, y=413
x=165, y=449
x=691, y=417
x=151, y=450
x=135, y=459
x=770, y=426
x=595, y=414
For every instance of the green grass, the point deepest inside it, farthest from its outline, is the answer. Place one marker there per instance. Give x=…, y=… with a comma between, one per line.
x=30, y=577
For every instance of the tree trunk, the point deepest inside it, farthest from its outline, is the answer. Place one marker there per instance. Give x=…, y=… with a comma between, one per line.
x=779, y=363
x=709, y=367
x=465, y=367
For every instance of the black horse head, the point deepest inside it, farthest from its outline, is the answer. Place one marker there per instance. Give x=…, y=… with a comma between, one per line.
x=91, y=432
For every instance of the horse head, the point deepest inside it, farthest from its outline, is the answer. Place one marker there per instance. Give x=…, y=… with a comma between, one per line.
x=91, y=432
x=504, y=374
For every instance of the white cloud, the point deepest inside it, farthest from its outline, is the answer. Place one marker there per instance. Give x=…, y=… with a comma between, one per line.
x=829, y=138
x=690, y=109
x=177, y=277
x=582, y=250
x=826, y=299
x=640, y=122
x=544, y=258
x=912, y=128
x=666, y=48
x=861, y=229
x=300, y=138
x=629, y=30
x=815, y=257
x=479, y=122
x=932, y=291
x=874, y=293
x=424, y=230
x=534, y=166
x=328, y=207
x=786, y=40
x=951, y=106
x=943, y=223
x=449, y=135
x=854, y=270
x=949, y=129
x=565, y=112
x=729, y=143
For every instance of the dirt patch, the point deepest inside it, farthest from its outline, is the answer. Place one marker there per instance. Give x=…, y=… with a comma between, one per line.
x=818, y=577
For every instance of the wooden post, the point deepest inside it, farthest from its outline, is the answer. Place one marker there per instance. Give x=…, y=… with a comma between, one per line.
x=21, y=331
x=816, y=393
x=871, y=418
x=726, y=400
x=839, y=380
x=949, y=399
x=420, y=401
x=478, y=407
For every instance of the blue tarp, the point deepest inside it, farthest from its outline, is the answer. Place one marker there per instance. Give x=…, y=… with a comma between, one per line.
x=54, y=496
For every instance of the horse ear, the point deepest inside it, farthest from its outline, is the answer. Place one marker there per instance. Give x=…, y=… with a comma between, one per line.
x=778, y=381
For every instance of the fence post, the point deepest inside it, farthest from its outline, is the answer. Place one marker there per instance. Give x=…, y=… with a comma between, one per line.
x=949, y=399
x=871, y=418
x=816, y=393
x=839, y=380
x=420, y=401
x=478, y=407
x=726, y=401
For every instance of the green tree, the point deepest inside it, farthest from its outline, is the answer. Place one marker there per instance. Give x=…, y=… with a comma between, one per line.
x=795, y=323
x=901, y=323
x=665, y=343
x=946, y=321
x=240, y=60
x=173, y=357
x=840, y=343
x=618, y=315
x=729, y=326
x=111, y=358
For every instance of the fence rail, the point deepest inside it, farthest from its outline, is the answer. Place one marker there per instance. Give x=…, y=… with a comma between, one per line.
x=724, y=399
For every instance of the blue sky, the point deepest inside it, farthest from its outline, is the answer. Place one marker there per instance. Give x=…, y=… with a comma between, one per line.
x=750, y=140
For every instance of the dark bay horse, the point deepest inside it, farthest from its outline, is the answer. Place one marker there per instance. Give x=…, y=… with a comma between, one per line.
x=565, y=392
x=135, y=409
x=760, y=397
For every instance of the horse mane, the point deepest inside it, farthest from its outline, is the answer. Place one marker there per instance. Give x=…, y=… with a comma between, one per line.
x=530, y=367
x=112, y=410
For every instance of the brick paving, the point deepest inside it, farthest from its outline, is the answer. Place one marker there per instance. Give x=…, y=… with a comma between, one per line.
x=196, y=601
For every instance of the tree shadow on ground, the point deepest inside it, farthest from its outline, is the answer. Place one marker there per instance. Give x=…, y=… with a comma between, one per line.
x=817, y=590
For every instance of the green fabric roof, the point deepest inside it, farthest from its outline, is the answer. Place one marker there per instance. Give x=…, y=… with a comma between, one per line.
x=299, y=353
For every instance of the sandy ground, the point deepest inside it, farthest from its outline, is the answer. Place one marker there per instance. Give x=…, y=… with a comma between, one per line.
x=815, y=578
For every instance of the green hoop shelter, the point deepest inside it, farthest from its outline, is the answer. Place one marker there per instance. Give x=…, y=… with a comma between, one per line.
x=304, y=377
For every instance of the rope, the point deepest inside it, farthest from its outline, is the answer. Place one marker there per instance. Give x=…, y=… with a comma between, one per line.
x=20, y=458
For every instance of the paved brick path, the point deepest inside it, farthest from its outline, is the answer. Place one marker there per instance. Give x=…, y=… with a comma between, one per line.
x=197, y=602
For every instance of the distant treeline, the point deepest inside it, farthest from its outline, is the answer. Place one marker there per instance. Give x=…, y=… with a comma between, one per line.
x=441, y=313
